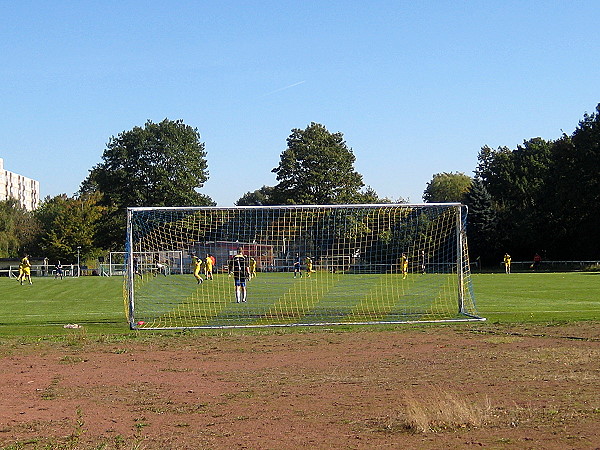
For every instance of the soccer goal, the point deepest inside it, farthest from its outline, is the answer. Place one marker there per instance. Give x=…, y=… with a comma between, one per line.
x=311, y=265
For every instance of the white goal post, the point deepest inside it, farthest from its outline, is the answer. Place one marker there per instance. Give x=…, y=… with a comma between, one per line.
x=146, y=261
x=311, y=265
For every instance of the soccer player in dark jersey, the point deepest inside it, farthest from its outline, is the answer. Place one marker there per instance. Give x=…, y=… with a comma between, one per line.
x=58, y=270
x=297, y=265
x=238, y=267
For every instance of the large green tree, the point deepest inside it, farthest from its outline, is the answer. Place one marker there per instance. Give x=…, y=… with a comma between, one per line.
x=574, y=190
x=68, y=223
x=160, y=164
x=447, y=187
x=260, y=197
x=18, y=230
x=266, y=196
x=482, y=224
x=518, y=182
x=516, y=176
x=317, y=168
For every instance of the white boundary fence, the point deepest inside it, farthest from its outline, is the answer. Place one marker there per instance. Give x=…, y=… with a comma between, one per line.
x=553, y=266
x=174, y=260
x=41, y=270
x=113, y=268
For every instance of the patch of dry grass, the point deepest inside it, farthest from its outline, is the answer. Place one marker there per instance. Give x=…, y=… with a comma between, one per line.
x=436, y=411
x=441, y=409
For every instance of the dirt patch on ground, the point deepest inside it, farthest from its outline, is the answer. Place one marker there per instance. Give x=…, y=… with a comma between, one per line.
x=416, y=387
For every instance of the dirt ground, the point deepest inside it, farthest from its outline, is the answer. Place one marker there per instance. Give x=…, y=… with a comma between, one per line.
x=459, y=386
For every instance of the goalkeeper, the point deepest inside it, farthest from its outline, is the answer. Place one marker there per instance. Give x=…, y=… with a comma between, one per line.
x=238, y=267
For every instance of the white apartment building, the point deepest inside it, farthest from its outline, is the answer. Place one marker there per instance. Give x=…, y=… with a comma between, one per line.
x=25, y=190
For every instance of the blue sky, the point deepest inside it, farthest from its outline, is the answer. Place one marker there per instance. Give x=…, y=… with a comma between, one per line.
x=416, y=87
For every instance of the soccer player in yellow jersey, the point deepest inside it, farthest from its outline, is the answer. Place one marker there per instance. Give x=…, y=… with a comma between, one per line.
x=197, y=265
x=404, y=263
x=24, y=270
x=507, y=261
x=208, y=267
x=252, y=266
x=309, y=266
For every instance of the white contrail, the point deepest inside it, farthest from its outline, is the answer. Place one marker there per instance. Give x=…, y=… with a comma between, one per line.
x=284, y=88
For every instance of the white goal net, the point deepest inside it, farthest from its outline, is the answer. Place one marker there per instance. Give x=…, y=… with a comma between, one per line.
x=300, y=265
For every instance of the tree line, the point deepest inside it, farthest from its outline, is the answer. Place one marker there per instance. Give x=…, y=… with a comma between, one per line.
x=541, y=197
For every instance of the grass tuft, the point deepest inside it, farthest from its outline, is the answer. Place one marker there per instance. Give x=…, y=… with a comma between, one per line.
x=441, y=410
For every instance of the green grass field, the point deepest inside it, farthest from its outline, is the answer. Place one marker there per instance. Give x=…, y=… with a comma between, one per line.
x=96, y=303
x=276, y=298
x=538, y=297
x=46, y=306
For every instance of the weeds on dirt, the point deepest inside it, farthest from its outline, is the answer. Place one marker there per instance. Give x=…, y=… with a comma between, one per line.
x=51, y=392
x=76, y=337
x=68, y=359
x=70, y=442
x=437, y=411
x=443, y=410
x=78, y=430
x=75, y=443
